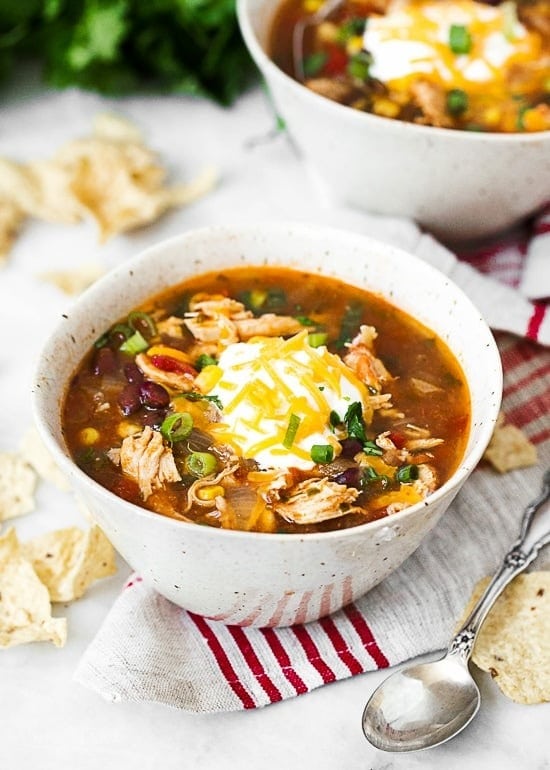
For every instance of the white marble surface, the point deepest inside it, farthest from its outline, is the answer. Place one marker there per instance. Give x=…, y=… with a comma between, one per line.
x=47, y=721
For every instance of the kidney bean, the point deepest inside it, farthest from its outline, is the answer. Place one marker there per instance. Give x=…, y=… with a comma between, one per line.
x=153, y=396
x=133, y=373
x=104, y=361
x=129, y=400
x=350, y=447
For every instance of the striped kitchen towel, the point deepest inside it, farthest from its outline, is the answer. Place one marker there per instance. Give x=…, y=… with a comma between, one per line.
x=148, y=649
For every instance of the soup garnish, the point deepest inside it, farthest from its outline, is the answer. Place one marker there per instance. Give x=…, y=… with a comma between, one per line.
x=461, y=64
x=269, y=400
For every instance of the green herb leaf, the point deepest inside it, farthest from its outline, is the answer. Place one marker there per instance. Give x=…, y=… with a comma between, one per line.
x=371, y=448
x=353, y=420
x=359, y=66
x=204, y=360
x=354, y=27
x=314, y=63
x=194, y=396
x=350, y=323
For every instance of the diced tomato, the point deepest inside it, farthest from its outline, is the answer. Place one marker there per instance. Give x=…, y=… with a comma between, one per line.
x=169, y=364
x=398, y=439
x=336, y=62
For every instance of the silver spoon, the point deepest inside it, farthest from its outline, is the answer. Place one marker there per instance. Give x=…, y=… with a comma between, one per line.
x=427, y=704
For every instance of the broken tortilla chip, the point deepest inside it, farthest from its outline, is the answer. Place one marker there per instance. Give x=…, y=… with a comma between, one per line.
x=111, y=176
x=74, y=281
x=514, y=642
x=25, y=610
x=17, y=484
x=34, y=452
x=509, y=448
x=69, y=560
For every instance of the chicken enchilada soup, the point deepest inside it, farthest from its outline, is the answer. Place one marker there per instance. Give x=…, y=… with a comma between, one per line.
x=269, y=400
x=461, y=64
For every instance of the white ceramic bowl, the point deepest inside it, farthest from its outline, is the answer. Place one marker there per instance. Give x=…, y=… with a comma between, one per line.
x=458, y=184
x=257, y=578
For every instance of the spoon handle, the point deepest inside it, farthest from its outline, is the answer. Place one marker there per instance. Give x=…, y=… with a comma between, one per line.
x=518, y=558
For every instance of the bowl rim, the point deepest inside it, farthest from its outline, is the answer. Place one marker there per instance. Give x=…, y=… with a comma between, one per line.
x=466, y=465
x=265, y=63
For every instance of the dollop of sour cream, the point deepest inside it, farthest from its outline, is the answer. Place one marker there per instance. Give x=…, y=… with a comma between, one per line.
x=413, y=39
x=266, y=381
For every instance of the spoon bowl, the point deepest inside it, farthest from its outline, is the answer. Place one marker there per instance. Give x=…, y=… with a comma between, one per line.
x=421, y=706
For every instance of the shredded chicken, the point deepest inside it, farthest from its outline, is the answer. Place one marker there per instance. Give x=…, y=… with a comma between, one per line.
x=391, y=454
x=267, y=325
x=536, y=16
x=423, y=387
x=316, y=500
x=145, y=458
x=214, y=305
x=431, y=99
x=426, y=481
x=422, y=443
x=174, y=380
x=171, y=327
x=360, y=357
x=337, y=90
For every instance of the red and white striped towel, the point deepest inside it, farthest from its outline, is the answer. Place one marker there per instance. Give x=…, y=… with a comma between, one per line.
x=150, y=650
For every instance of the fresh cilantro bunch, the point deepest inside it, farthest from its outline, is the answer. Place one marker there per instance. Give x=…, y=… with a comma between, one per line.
x=123, y=46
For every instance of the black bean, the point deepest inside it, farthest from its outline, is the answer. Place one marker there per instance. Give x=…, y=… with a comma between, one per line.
x=350, y=447
x=133, y=373
x=128, y=399
x=153, y=417
x=349, y=477
x=153, y=396
x=104, y=361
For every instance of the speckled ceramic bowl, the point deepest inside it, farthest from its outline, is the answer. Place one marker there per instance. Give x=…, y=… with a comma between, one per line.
x=458, y=184
x=252, y=578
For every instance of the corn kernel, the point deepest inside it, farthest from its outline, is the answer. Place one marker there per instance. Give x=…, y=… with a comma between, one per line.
x=88, y=436
x=537, y=118
x=354, y=45
x=312, y=5
x=327, y=32
x=210, y=493
x=385, y=108
x=208, y=378
x=125, y=428
x=492, y=116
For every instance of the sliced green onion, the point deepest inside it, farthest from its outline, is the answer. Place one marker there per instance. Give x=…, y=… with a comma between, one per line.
x=293, y=425
x=359, y=66
x=134, y=344
x=457, y=101
x=520, y=124
x=322, y=453
x=370, y=448
x=460, y=40
x=204, y=360
x=406, y=473
x=201, y=464
x=123, y=329
x=369, y=475
x=177, y=426
x=102, y=341
x=194, y=396
x=143, y=322
x=314, y=63
x=317, y=339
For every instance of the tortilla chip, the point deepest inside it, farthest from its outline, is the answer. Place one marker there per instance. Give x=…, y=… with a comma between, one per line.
x=115, y=128
x=74, y=281
x=11, y=219
x=68, y=560
x=17, y=484
x=34, y=452
x=514, y=642
x=25, y=610
x=111, y=176
x=509, y=448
